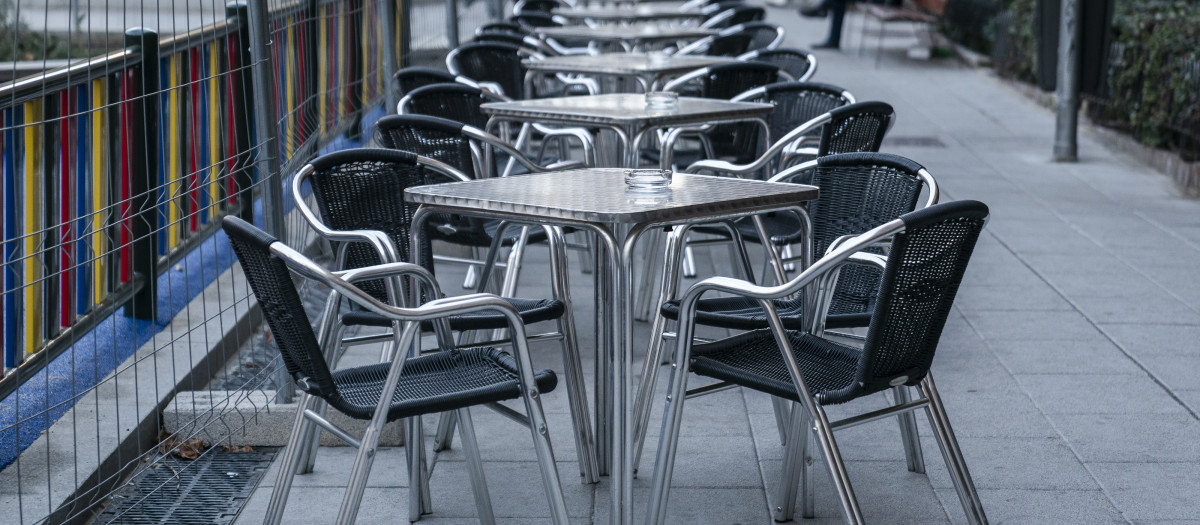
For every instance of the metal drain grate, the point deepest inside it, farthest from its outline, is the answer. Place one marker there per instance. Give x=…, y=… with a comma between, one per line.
x=914, y=141
x=205, y=491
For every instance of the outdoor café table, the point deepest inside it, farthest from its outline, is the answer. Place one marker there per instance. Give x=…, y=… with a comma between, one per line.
x=597, y=199
x=631, y=37
x=625, y=114
x=620, y=14
x=648, y=72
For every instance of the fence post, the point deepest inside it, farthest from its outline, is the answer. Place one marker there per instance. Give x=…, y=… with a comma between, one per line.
x=452, y=23
x=144, y=169
x=389, y=53
x=267, y=161
x=240, y=93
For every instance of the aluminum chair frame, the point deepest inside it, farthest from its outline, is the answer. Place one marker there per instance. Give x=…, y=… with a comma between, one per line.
x=699, y=46
x=410, y=319
x=721, y=17
x=560, y=291
x=808, y=416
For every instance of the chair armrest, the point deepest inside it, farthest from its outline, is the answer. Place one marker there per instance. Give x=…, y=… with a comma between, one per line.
x=392, y=269
x=581, y=134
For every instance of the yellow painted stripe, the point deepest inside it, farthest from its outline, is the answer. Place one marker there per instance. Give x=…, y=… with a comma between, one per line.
x=33, y=226
x=322, y=69
x=214, y=134
x=99, y=189
x=174, y=173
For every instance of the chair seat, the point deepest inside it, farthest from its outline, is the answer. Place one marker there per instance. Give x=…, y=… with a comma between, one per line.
x=531, y=310
x=435, y=382
x=740, y=313
x=784, y=228
x=753, y=360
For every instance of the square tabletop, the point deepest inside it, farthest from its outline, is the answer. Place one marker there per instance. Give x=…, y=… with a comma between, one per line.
x=599, y=195
x=655, y=11
x=615, y=33
x=625, y=109
x=624, y=64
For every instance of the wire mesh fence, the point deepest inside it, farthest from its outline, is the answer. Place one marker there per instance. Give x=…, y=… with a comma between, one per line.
x=119, y=290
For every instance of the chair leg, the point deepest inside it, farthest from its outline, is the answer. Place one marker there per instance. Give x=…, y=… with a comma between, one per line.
x=483, y=501
x=644, y=395
x=790, y=472
x=908, y=432
x=545, y=456
x=837, y=468
x=418, y=478
x=310, y=441
x=808, y=491
x=289, y=463
x=780, y=408
x=668, y=444
x=585, y=441
x=955, y=463
x=650, y=262
x=472, y=276
x=689, y=263
x=444, y=438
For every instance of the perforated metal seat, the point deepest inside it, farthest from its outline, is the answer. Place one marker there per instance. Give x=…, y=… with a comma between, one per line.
x=531, y=310
x=928, y=253
x=402, y=386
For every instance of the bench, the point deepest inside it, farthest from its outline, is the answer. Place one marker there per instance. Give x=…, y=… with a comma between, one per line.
x=916, y=12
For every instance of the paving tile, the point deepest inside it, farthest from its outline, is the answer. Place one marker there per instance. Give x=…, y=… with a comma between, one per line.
x=1031, y=297
x=1151, y=491
x=1098, y=394
x=1039, y=507
x=1043, y=463
x=515, y=488
x=1146, y=339
x=320, y=506
x=1134, y=438
x=1063, y=357
x=1033, y=326
x=1178, y=372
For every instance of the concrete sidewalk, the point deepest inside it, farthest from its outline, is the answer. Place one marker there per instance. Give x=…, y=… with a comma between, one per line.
x=1068, y=366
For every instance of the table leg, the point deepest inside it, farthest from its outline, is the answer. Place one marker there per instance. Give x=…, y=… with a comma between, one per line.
x=603, y=333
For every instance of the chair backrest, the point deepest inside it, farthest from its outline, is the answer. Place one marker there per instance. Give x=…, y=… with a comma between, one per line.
x=501, y=37
x=860, y=191
x=501, y=26
x=535, y=19
x=428, y=136
x=733, y=16
x=272, y=284
x=544, y=6
x=725, y=81
x=454, y=101
x=855, y=128
x=797, y=63
x=411, y=78
x=495, y=62
x=924, y=268
x=796, y=103
x=743, y=38
x=363, y=189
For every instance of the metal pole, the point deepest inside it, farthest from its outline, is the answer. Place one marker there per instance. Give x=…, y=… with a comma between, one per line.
x=267, y=162
x=452, y=23
x=144, y=168
x=389, y=52
x=241, y=93
x=1067, y=89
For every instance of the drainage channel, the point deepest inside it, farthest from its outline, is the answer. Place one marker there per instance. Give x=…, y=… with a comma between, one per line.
x=208, y=490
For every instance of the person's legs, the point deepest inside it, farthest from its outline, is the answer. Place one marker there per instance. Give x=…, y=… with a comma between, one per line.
x=837, y=15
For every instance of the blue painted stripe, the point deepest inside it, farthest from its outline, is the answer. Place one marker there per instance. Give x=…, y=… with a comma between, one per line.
x=12, y=349
x=83, y=134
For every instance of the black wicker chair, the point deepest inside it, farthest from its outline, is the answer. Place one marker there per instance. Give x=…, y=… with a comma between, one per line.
x=534, y=18
x=928, y=253
x=411, y=78
x=739, y=14
x=400, y=387
x=492, y=62
x=797, y=63
x=797, y=103
x=360, y=201
x=859, y=191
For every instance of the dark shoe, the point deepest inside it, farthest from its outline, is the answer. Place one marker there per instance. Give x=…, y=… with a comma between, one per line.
x=825, y=45
x=819, y=11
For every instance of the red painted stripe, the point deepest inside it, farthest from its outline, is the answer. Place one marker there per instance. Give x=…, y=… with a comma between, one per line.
x=126, y=260
x=231, y=92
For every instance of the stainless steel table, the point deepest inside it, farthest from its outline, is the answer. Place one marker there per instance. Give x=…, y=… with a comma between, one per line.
x=631, y=37
x=630, y=13
x=626, y=115
x=639, y=66
x=597, y=200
